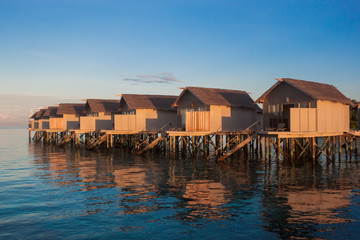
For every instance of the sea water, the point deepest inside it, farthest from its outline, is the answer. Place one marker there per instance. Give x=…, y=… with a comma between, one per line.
x=47, y=192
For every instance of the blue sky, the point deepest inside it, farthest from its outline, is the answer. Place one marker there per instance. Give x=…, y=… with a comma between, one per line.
x=59, y=51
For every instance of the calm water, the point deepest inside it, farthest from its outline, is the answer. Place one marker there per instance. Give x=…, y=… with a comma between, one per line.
x=58, y=193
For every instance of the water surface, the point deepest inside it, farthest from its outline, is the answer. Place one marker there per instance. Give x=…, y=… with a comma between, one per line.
x=61, y=193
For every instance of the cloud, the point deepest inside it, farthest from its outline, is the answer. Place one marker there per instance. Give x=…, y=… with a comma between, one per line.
x=39, y=54
x=166, y=78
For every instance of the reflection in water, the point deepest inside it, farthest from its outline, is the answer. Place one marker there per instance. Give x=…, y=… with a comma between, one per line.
x=318, y=206
x=289, y=201
x=302, y=201
x=134, y=189
x=204, y=198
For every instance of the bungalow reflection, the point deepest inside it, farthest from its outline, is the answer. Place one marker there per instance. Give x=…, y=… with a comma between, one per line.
x=205, y=199
x=79, y=169
x=136, y=192
x=298, y=202
x=318, y=206
x=52, y=166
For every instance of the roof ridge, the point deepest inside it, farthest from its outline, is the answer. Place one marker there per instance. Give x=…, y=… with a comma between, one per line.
x=223, y=89
x=148, y=95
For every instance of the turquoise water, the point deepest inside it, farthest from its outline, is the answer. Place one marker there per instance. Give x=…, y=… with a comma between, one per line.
x=62, y=193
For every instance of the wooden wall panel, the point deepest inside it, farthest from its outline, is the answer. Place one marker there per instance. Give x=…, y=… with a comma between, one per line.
x=312, y=120
x=87, y=123
x=198, y=121
x=332, y=117
x=56, y=123
x=125, y=122
x=303, y=120
x=294, y=120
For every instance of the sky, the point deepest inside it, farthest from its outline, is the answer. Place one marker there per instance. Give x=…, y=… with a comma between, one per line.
x=54, y=51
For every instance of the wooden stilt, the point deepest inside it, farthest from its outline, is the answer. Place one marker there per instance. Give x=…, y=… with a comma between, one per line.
x=333, y=149
x=266, y=147
x=278, y=142
x=269, y=145
x=313, y=150
x=292, y=149
x=339, y=147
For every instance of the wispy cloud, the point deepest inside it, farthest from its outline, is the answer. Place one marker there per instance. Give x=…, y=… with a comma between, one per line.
x=40, y=54
x=166, y=78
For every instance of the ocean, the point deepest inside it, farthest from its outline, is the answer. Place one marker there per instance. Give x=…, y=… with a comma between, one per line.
x=48, y=192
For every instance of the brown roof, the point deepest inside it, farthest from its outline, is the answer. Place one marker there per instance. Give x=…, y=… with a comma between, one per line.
x=34, y=115
x=158, y=102
x=71, y=108
x=39, y=114
x=102, y=105
x=224, y=97
x=50, y=112
x=315, y=90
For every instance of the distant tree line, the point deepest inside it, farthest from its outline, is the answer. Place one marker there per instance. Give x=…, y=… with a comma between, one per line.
x=354, y=115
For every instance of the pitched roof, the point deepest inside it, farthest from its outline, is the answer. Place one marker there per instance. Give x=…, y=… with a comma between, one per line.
x=315, y=90
x=158, y=102
x=71, y=108
x=50, y=112
x=33, y=116
x=224, y=97
x=39, y=114
x=102, y=105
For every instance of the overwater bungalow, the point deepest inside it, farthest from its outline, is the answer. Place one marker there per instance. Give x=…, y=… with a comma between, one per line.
x=303, y=106
x=212, y=109
x=99, y=114
x=31, y=122
x=67, y=116
x=146, y=113
x=37, y=123
x=48, y=118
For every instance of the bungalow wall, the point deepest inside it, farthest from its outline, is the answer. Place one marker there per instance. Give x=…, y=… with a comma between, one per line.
x=358, y=114
x=71, y=121
x=31, y=124
x=240, y=119
x=283, y=94
x=259, y=119
x=326, y=117
x=92, y=123
x=220, y=118
x=303, y=119
x=44, y=124
x=68, y=121
x=145, y=120
x=223, y=118
x=36, y=124
x=125, y=122
x=197, y=121
x=165, y=120
x=333, y=117
x=56, y=123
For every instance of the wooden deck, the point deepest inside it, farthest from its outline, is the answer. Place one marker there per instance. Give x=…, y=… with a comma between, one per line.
x=118, y=132
x=205, y=133
x=281, y=134
x=55, y=130
x=188, y=133
x=354, y=132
